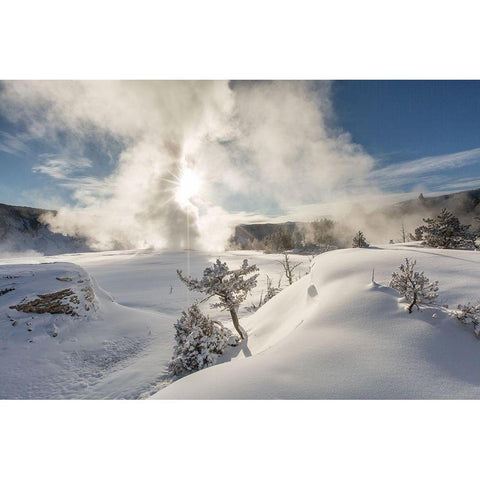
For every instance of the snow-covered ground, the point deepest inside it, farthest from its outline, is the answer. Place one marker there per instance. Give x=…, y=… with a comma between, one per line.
x=121, y=347
x=333, y=334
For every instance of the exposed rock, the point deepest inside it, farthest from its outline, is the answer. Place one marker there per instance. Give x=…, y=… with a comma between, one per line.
x=6, y=290
x=56, y=302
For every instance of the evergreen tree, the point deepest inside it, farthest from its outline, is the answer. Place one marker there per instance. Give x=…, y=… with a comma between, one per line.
x=359, y=240
x=446, y=231
x=419, y=233
x=469, y=314
x=199, y=341
x=229, y=286
x=414, y=286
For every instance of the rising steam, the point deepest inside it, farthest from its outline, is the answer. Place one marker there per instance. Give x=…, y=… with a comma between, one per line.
x=214, y=150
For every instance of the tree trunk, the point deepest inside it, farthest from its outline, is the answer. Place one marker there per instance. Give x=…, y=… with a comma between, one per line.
x=236, y=323
x=414, y=302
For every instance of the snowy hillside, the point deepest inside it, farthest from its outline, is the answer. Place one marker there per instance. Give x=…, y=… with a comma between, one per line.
x=21, y=230
x=334, y=334
x=120, y=346
x=61, y=335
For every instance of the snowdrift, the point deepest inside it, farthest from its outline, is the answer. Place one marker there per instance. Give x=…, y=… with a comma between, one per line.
x=62, y=336
x=335, y=335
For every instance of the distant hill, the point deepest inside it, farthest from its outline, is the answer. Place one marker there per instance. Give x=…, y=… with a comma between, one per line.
x=21, y=230
x=259, y=231
x=464, y=204
x=383, y=223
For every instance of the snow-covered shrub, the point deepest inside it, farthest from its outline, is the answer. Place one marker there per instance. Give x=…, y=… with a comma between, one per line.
x=414, y=286
x=271, y=289
x=446, y=231
x=271, y=292
x=469, y=314
x=229, y=286
x=199, y=341
x=359, y=240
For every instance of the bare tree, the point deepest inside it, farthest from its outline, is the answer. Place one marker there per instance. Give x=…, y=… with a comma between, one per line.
x=288, y=267
x=404, y=234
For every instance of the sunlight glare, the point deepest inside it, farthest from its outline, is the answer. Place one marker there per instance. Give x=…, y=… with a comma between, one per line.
x=188, y=186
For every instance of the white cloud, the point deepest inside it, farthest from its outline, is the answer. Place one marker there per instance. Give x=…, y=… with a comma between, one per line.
x=61, y=167
x=258, y=145
x=13, y=145
x=398, y=174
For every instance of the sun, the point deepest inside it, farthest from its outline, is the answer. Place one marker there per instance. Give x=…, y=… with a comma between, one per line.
x=188, y=186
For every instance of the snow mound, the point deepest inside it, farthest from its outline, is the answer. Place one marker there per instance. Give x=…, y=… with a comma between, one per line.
x=61, y=336
x=335, y=334
x=44, y=299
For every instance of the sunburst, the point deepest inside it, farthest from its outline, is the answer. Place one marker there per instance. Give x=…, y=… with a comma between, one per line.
x=184, y=186
x=188, y=186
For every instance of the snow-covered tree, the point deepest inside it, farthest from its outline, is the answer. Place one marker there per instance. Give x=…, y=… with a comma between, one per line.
x=469, y=314
x=231, y=287
x=414, y=286
x=419, y=233
x=359, y=240
x=199, y=341
x=446, y=231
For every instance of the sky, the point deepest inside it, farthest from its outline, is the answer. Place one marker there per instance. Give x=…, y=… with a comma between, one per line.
x=115, y=151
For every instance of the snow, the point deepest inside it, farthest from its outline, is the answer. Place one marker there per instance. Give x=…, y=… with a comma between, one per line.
x=354, y=339
x=332, y=334
x=119, y=350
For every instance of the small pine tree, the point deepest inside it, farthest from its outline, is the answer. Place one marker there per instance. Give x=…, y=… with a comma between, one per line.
x=414, y=286
x=446, y=231
x=229, y=286
x=469, y=314
x=199, y=341
x=419, y=233
x=359, y=240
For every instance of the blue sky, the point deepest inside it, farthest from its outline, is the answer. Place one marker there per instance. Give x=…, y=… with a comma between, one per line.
x=423, y=135
x=403, y=120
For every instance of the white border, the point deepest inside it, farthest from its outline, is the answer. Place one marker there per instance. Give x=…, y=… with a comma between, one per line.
x=248, y=39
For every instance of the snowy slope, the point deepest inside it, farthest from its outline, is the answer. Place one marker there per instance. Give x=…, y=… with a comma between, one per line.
x=121, y=348
x=354, y=339
x=77, y=354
